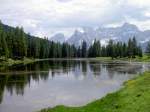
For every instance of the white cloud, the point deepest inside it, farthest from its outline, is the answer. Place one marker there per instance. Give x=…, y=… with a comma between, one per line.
x=143, y=25
x=138, y=3
x=44, y=17
x=147, y=14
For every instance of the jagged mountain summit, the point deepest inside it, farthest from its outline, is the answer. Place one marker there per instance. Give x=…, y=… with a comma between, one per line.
x=59, y=37
x=104, y=34
x=121, y=33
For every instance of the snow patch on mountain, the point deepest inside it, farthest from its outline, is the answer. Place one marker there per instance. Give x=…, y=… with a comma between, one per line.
x=104, y=34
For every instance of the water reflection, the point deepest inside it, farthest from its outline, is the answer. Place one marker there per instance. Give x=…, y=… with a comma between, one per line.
x=15, y=79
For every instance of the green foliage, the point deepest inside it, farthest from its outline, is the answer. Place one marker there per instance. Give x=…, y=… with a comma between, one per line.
x=84, y=49
x=3, y=45
x=116, y=49
x=148, y=48
x=95, y=49
x=16, y=44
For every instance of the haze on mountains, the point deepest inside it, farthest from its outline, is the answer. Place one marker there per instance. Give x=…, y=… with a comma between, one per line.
x=73, y=21
x=104, y=34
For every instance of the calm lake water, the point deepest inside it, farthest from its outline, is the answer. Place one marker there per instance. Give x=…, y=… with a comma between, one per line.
x=28, y=88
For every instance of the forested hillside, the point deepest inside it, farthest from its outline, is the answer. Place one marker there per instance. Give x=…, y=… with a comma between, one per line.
x=16, y=44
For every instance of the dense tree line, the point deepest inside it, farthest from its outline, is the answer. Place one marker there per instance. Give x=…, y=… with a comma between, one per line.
x=119, y=49
x=16, y=44
x=115, y=49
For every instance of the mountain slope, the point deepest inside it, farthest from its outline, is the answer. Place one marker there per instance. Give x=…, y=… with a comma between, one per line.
x=121, y=33
x=59, y=37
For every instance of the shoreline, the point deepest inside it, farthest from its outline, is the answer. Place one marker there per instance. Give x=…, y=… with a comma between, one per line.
x=102, y=59
x=134, y=95
x=11, y=62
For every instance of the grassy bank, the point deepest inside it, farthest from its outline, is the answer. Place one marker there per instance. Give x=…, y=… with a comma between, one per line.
x=10, y=62
x=145, y=58
x=133, y=97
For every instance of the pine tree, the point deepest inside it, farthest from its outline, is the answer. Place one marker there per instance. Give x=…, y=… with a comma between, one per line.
x=110, y=49
x=79, y=53
x=98, y=49
x=3, y=45
x=103, y=52
x=130, y=48
x=23, y=41
x=84, y=49
x=124, y=50
x=36, y=48
x=64, y=50
x=148, y=48
x=135, y=47
x=139, y=51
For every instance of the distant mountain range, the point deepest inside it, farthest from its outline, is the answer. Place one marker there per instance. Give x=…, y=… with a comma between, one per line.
x=104, y=34
x=122, y=33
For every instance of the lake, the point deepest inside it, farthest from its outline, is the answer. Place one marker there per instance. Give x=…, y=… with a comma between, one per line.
x=32, y=87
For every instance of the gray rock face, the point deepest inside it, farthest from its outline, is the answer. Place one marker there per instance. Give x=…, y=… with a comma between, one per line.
x=58, y=38
x=122, y=33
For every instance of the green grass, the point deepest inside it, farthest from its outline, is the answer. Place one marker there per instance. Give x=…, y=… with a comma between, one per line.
x=133, y=97
x=10, y=62
x=145, y=58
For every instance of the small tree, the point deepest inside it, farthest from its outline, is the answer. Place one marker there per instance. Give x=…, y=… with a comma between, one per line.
x=130, y=48
x=84, y=49
x=110, y=49
x=134, y=47
x=139, y=50
x=148, y=48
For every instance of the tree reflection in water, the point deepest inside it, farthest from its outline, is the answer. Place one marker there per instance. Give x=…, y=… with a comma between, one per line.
x=16, y=78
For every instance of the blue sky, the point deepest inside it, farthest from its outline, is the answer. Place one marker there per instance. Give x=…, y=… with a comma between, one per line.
x=47, y=17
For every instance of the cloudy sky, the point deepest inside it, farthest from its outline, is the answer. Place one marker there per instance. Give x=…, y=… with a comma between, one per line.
x=46, y=17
